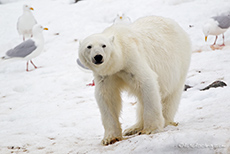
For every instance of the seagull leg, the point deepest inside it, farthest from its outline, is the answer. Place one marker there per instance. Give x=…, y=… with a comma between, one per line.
x=223, y=41
x=33, y=64
x=23, y=38
x=27, y=65
x=215, y=40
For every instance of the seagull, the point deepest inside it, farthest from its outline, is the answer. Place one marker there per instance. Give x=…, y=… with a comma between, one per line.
x=85, y=69
x=215, y=26
x=121, y=19
x=30, y=48
x=81, y=65
x=26, y=22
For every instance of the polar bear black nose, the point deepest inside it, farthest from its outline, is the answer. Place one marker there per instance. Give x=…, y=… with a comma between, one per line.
x=98, y=59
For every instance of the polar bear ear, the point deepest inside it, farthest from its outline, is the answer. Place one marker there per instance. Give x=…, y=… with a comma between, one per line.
x=111, y=39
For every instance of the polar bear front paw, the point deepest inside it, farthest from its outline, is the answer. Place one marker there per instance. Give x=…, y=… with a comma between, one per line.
x=110, y=140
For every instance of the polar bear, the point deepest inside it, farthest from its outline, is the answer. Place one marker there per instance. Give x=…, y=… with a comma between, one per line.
x=150, y=59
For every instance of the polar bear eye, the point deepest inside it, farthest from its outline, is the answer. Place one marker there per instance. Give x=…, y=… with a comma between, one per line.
x=89, y=47
x=103, y=46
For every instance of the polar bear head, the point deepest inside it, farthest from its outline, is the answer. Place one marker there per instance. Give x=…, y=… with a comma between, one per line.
x=97, y=53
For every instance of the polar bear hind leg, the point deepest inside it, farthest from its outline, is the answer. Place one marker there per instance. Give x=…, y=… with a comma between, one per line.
x=170, y=105
x=136, y=128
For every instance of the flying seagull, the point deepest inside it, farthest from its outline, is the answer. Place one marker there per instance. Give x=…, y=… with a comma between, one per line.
x=121, y=19
x=30, y=48
x=81, y=65
x=86, y=69
x=26, y=22
x=215, y=26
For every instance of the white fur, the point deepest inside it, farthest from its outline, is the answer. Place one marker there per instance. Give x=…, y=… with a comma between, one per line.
x=149, y=58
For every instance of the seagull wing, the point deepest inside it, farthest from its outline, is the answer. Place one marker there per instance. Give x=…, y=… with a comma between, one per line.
x=80, y=64
x=22, y=50
x=224, y=21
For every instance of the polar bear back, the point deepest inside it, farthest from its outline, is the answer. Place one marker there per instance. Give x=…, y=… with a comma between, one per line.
x=160, y=42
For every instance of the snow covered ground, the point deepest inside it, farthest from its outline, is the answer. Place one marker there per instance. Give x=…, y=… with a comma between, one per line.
x=51, y=110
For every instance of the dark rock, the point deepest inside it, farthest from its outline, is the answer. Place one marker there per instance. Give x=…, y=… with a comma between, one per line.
x=76, y=1
x=215, y=85
x=186, y=87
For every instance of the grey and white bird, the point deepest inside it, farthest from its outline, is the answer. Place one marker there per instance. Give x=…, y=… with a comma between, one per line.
x=30, y=48
x=121, y=19
x=215, y=26
x=26, y=22
x=81, y=66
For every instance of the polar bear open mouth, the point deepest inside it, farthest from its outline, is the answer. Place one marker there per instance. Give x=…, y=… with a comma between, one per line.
x=98, y=59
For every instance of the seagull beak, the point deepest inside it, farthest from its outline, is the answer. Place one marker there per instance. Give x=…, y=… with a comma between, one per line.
x=31, y=8
x=45, y=28
x=206, y=37
x=120, y=17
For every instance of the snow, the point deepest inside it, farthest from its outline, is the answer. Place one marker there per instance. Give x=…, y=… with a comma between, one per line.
x=51, y=110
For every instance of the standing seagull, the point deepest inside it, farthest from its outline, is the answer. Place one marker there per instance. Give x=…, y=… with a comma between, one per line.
x=121, y=19
x=215, y=26
x=26, y=22
x=30, y=48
